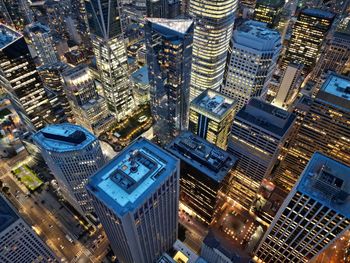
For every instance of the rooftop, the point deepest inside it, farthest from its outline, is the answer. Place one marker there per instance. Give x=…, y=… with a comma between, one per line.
x=318, y=13
x=266, y=116
x=327, y=181
x=38, y=28
x=176, y=25
x=7, y=215
x=258, y=30
x=213, y=103
x=63, y=137
x=141, y=75
x=204, y=156
x=127, y=180
x=7, y=36
x=273, y=3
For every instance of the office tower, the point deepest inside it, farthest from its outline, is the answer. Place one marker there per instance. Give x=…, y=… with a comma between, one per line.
x=308, y=34
x=269, y=11
x=52, y=79
x=204, y=170
x=111, y=58
x=89, y=109
x=57, y=13
x=163, y=8
x=259, y=131
x=314, y=214
x=325, y=128
x=169, y=49
x=136, y=197
x=18, y=242
x=248, y=3
x=15, y=13
x=41, y=40
x=72, y=154
x=213, y=20
x=255, y=50
x=335, y=55
x=141, y=86
x=211, y=116
x=21, y=80
x=289, y=86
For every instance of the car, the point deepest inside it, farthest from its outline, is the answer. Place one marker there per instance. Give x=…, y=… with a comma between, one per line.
x=62, y=247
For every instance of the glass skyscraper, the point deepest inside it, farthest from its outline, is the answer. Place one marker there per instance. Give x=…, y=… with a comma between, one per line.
x=212, y=33
x=169, y=49
x=104, y=17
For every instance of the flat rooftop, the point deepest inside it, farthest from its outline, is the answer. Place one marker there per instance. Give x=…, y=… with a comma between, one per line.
x=141, y=75
x=7, y=215
x=266, y=116
x=177, y=25
x=272, y=3
x=127, y=180
x=63, y=137
x=38, y=28
x=338, y=87
x=258, y=30
x=214, y=104
x=327, y=181
x=318, y=13
x=204, y=156
x=7, y=36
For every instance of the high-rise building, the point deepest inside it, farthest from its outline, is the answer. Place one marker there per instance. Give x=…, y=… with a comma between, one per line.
x=211, y=116
x=52, y=79
x=19, y=77
x=289, y=86
x=313, y=215
x=252, y=60
x=89, y=109
x=213, y=20
x=325, y=128
x=136, y=198
x=41, y=40
x=163, y=8
x=308, y=34
x=57, y=12
x=169, y=50
x=72, y=154
x=18, y=242
x=335, y=55
x=269, y=11
x=259, y=131
x=104, y=19
x=204, y=169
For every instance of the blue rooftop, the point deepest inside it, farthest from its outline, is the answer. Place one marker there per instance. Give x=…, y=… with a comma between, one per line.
x=327, y=181
x=318, y=13
x=135, y=173
x=7, y=36
x=7, y=215
x=201, y=154
x=141, y=76
x=63, y=137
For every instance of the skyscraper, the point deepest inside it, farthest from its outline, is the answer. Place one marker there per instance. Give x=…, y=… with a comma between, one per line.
x=169, y=50
x=21, y=80
x=325, y=128
x=15, y=13
x=211, y=116
x=205, y=170
x=255, y=50
x=335, y=55
x=72, y=154
x=259, y=131
x=89, y=109
x=136, y=198
x=269, y=11
x=314, y=214
x=163, y=8
x=308, y=34
x=104, y=17
x=213, y=21
x=41, y=40
x=18, y=242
